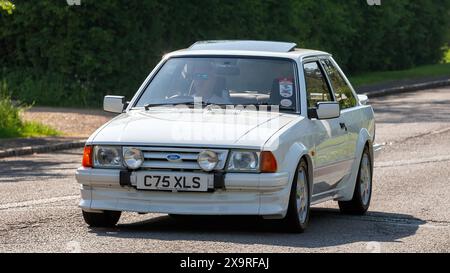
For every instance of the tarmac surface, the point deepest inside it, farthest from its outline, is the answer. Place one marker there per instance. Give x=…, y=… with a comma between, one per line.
x=410, y=209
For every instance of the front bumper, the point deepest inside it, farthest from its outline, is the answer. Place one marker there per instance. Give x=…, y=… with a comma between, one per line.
x=264, y=194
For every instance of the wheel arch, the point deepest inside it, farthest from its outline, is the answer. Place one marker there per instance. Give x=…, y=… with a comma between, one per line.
x=369, y=145
x=310, y=170
x=295, y=154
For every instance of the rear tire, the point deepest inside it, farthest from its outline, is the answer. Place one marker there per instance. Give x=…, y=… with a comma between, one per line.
x=363, y=189
x=297, y=216
x=107, y=218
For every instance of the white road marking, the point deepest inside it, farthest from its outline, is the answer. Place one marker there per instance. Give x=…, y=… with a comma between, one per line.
x=412, y=161
x=37, y=202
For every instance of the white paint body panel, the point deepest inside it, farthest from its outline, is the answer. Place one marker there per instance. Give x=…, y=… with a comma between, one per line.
x=164, y=126
x=332, y=170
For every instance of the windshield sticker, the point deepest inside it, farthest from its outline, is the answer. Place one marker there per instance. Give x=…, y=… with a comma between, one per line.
x=286, y=88
x=286, y=103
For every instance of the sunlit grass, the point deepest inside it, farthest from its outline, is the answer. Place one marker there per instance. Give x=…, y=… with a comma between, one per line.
x=35, y=129
x=413, y=73
x=11, y=124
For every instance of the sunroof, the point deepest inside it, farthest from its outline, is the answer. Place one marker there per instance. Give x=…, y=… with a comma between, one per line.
x=244, y=45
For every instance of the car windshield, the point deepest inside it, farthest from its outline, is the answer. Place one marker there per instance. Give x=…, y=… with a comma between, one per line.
x=223, y=81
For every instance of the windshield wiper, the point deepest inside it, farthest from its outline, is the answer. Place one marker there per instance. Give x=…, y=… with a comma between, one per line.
x=202, y=103
x=148, y=105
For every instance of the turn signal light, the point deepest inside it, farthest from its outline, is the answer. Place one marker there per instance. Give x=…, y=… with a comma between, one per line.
x=268, y=162
x=87, y=156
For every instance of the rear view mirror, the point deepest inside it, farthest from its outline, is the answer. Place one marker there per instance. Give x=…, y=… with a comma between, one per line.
x=114, y=104
x=228, y=70
x=326, y=110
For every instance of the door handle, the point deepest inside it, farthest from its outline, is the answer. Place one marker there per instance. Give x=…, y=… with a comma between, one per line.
x=343, y=126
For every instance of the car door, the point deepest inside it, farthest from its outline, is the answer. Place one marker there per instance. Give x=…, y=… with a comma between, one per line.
x=344, y=94
x=328, y=137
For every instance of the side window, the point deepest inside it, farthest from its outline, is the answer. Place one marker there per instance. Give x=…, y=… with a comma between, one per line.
x=342, y=91
x=316, y=85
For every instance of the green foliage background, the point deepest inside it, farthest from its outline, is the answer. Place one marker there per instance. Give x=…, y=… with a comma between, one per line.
x=56, y=54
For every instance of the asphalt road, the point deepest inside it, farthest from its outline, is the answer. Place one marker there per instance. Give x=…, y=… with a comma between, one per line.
x=410, y=209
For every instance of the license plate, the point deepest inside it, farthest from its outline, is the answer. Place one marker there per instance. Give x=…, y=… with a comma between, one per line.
x=172, y=181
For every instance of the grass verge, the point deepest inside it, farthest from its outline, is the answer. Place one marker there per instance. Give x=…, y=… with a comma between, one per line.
x=413, y=73
x=11, y=124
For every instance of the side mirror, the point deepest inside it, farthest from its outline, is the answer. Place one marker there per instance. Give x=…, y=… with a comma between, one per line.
x=114, y=104
x=363, y=99
x=326, y=110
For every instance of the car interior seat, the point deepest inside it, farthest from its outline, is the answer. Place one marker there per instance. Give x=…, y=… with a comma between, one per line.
x=220, y=88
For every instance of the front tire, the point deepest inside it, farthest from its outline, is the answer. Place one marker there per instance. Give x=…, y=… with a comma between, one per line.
x=363, y=189
x=297, y=216
x=107, y=218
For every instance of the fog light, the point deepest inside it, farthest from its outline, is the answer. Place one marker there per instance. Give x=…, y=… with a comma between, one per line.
x=132, y=157
x=207, y=160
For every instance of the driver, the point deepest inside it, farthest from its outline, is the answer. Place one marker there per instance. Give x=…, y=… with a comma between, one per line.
x=204, y=84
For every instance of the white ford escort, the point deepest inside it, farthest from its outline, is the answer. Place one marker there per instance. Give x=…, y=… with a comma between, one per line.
x=233, y=128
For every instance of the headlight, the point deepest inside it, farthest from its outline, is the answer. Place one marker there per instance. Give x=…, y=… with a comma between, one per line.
x=132, y=157
x=107, y=156
x=243, y=161
x=207, y=160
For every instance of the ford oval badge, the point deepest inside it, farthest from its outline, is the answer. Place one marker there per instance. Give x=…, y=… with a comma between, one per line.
x=173, y=157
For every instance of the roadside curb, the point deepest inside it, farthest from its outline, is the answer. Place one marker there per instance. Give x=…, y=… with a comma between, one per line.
x=80, y=143
x=407, y=88
x=41, y=148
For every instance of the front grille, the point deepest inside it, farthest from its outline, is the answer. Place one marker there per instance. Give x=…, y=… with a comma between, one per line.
x=156, y=158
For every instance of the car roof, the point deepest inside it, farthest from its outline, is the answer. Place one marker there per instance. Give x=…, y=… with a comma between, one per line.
x=247, y=48
x=244, y=45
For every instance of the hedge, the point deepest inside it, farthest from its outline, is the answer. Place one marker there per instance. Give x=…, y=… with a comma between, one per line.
x=53, y=53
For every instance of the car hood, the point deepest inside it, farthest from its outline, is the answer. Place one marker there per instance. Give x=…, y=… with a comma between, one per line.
x=164, y=126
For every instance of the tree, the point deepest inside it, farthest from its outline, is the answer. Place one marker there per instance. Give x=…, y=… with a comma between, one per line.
x=7, y=6
x=53, y=53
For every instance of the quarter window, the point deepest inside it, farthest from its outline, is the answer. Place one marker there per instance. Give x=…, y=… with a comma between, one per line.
x=342, y=91
x=316, y=85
